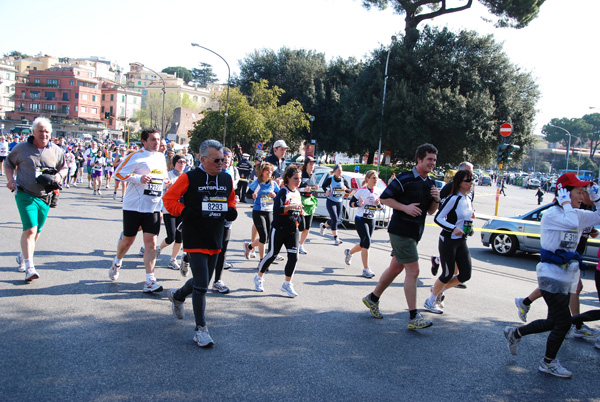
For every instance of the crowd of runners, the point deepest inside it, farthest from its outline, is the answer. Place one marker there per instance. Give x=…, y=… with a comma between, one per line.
x=196, y=200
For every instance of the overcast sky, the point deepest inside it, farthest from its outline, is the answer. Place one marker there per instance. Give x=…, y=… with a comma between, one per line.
x=559, y=48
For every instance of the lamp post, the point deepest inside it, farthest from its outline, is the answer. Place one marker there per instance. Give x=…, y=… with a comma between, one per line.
x=569, y=146
x=164, y=90
x=387, y=61
x=228, y=76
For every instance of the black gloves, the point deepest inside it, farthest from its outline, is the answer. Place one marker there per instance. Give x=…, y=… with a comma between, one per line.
x=231, y=214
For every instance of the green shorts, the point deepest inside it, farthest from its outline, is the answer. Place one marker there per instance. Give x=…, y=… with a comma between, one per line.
x=33, y=210
x=89, y=169
x=404, y=249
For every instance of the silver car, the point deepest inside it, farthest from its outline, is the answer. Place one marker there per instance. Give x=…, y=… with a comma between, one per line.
x=524, y=236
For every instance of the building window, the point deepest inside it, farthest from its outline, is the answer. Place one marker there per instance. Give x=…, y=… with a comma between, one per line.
x=111, y=110
x=65, y=109
x=65, y=96
x=112, y=97
x=8, y=76
x=50, y=95
x=102, y=110
x=76, y=108
x=83, y=109
x=36, y=80
x=122, y=98
x=72, y=82
x=94, y=110
x=103, y=97
x=51, y=107
x=83, y=96
x=76, y=96
x=140, y=83
x=52, y=81
x=93, y=98
x=35, y=94
x=35, y=107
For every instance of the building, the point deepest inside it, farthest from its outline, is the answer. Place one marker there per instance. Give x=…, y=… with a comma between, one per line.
x=61, y=93
x=119, y=105
x=7, y=88
x=183, y=124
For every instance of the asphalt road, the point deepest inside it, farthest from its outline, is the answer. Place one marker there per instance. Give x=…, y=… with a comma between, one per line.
x=75, y=335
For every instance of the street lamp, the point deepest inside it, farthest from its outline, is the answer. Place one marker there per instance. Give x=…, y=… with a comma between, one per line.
x=569, y=146
x=228, y=76
x=387, y=61
x=164, y=90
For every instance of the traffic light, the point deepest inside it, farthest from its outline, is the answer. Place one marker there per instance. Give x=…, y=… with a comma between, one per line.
x=501, y=153
x=509, y=150
x=107, y=115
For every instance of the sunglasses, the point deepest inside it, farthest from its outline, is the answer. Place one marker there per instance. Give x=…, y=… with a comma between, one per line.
x=467, y=180
x=219, y=160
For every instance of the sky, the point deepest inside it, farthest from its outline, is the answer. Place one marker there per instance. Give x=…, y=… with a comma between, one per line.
x=557, y=48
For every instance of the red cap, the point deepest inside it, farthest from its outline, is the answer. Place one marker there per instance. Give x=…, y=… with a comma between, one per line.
x=570, y=179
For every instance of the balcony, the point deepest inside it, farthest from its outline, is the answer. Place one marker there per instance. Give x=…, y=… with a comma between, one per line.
x=42, y=84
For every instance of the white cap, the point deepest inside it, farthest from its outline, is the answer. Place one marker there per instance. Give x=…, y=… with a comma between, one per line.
x=280, y=144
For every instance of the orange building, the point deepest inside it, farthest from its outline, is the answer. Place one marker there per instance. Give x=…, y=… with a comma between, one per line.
x=61, y=93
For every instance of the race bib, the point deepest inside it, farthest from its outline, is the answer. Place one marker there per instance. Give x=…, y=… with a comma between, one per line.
x=568, y=240
x=338, y=192
x=214, y=207
x=266, y=203
x=369, y=211
x=154, y=188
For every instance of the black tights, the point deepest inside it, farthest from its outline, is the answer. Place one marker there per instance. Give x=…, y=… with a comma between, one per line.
x=202, y=266
x=221, y=258
x=279, y=238
x=592, y=315
x=558, y=322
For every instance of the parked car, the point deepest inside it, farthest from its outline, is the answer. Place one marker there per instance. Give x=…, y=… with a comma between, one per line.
x=355, y=180
x=485, y=181
x=527, y=237
x=532, y=183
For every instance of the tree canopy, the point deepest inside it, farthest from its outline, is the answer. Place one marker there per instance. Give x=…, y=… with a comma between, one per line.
x=203, y=75
x=181, y=72
x=509, y=13
x=586, y=128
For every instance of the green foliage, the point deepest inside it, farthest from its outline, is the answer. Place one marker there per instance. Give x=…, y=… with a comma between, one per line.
x=151, y=115
x=203, y=75
x=188, y=103
x=17, y=55
x=181, y=72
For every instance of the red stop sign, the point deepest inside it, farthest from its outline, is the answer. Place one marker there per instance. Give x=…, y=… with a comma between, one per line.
x=506, y=129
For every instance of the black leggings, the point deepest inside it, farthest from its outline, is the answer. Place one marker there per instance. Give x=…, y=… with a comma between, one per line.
x=364, y=228
x=592, y=315
x=558, y=322
x=279, y=238
x=221, y=258
x=305, y=223
x=454, y=252
x=262, y=220
x=203, y=266
x=335, y=211
x=171, y=223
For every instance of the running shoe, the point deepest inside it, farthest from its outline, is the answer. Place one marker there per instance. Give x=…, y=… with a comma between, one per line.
x=247, y=250
x=367, y=273
x=555, y=369
x=227, y=266
x=113, y=272
x=337, y=242
x=373, y=306
x=21, y=262
x=279, y=258
x=461, y=286
x=523, y=309
x=435, y=266
x=433, y=307
x=115, y=196
x=322, y=226
x=288, y=288
x=302, y=250
x=419, y=322
x=512, y=342
x=219, y=286
x=67, y=186
x=185, y=266
x=173, y=264
x=99, y=192
x=121, y=199
x=176, y=305
x=95, y=192
x=31, y=274
x=202, y=338
x=348, y=258
x=259, y=283
x=142, y=251
x=253, y=253
x=586, y=332
x=152, y=287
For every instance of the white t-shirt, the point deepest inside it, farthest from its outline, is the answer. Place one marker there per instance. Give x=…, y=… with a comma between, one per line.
x=369, y=199
x=4, y=148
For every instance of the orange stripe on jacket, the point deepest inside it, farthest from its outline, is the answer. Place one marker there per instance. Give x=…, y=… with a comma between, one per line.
x=124, y=163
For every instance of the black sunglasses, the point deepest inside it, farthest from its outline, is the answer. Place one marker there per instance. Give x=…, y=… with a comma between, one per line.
x=467, y=180
x=218, y=160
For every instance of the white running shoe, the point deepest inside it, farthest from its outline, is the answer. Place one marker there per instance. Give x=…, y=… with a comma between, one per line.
x=348, y=258
x=220, y=287
x=289, y=289
x=247, y=250
x=95, y=192
x=555, y=369
x=202, y=338
x=113, y=272
x=99, y=192
x=253, y=253
x=227, y=265
x=21, y=262
x=279, y=258
x=173, y=264
x=259, y=283
x=367, y=273
x=152, y=287
x=322, y=227
x=176, y=306
x=511, y=342
x=115, y=196
x=432, y=307
x=31, y=274
x=337, y=242
x=142, y=251
x=185, y=265
x=586, y=332
x=302, y=250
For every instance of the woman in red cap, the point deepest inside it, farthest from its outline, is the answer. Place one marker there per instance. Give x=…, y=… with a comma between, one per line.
x=558, y=271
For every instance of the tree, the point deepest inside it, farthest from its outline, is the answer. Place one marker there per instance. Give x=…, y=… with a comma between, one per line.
x=151, y=115
x=181, y=72
x=258, y=117
x=17, y=55
x=203, y=75
x=510, y=13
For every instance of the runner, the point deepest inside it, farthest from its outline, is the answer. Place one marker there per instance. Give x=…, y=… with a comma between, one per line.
x=146, y=173
x=309, y=201
x=366, y=199
x=118, y=159
x=335, y=186
x=208, y=199
x=558, y=271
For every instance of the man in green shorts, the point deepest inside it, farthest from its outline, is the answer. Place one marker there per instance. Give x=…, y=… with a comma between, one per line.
x=32, y=159
x=412, y=195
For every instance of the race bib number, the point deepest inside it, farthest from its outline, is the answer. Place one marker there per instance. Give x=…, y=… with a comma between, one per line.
x=369, y=211
x=266, y=203
x=214, y=207
x=568, y=240
x=338, y=192
x=154, y=188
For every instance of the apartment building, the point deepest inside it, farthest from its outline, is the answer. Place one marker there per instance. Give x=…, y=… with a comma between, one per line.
x=118, y=105
x=7, y=88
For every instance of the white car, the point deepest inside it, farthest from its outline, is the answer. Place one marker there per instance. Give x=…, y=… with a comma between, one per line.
x=355, y=180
